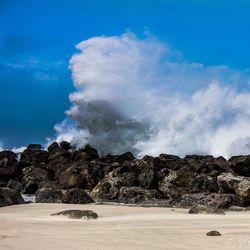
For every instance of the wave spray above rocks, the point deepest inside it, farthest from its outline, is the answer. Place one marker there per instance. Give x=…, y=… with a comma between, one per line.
x=140, y=95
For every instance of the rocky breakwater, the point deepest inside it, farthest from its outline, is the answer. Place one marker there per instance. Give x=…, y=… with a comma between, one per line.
x=64, y=174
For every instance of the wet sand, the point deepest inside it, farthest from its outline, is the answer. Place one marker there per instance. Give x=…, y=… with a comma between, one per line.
x=30, y=227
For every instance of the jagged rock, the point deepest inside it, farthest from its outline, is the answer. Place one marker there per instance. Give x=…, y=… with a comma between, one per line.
x=239, y=185
x=53, y=195
x=171, y=161
x=77, y=214
x=214, y=200
x=36, y=158
x=34, y=178
x=8, y=173
x=90, y=152
x=59, y=155
x=177, y=183
x=16, y=185
x=49, y=195
x=236, y=209
x=189, y=200
x=206, y=164
x=213, y=233
x=53, y=146
x=128, y=156
x=109, y=187
x=9, y=166
x=222, y=201
x=137, y=194
x=66, y=145
x=10, y=197
x=241, y=165
x=76, y=196
x=7, y=159
x=201, y=209
x=34, y=147
x=146, y=170
x=76, y=176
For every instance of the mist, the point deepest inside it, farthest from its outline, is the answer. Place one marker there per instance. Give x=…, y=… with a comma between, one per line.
x=143, y=96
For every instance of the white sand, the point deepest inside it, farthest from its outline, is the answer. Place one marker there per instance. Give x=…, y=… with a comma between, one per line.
x=30, y=227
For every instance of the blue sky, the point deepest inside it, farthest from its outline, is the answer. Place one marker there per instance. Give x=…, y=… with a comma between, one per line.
x=37, y=39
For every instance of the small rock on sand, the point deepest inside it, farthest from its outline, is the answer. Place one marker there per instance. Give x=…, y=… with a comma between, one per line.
x=77, y=214
x=213, y=233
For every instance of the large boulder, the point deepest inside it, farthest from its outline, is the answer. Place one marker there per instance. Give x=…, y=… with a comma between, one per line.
x=9, y=166
x=202, y=209
x=146, y=170
x=76, y=176
x=109, y=187
x=7, y=159
x=34, y=178
x=178, y=183
x=56, y=195
x=206, y=164
x=10, y=197
x=239, y=185
x=66, y=145
x=76, y=196
x=222, y=201
x=17, y=185
x=241, y=165
x=53, y=146
x=137, y=195
x=128, y=156
x=91, y=152
x=34, y=158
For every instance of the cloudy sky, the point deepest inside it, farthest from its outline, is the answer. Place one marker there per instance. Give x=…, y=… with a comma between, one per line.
x=186, y=53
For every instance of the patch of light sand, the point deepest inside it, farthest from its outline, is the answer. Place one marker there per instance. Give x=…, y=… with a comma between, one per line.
x=29, y=227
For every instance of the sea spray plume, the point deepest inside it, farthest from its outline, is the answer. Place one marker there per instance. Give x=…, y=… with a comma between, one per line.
x=139, y=95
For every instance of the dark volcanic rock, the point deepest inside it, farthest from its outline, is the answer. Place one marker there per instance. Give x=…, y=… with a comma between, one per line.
x=34, y=147
x=137, y=195
x=53, y=146
x=16, y=185
x=206, y=164
x=241, y=165
x=36, y=158
x=72, y=196
x=66, y=145
x=76, y=176
x=128, y=156
x=201, y=209
x=76, y=196
x=146, y=170
x=213, y=233
x=109, y=187
x=222, y=201
x=10, y=197
x=34, y=178
x=180, y=182
x=7, y=159
x=239, y=185
x=91, y=152
x=77, y=214
x=49, y=195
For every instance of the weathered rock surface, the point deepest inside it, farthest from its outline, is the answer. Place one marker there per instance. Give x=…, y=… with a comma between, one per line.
x=239, y=185
x=137, y=195
x=77, y=214
x=10, y=197
x=213, y=233
x=56, y=195
x=201, y=209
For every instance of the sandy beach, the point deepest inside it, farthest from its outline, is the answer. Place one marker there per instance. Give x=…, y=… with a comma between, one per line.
x=30, y=226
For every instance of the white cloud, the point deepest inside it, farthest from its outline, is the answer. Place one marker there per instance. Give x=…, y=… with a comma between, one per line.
x=138, y=95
